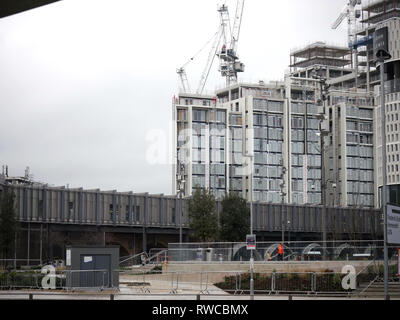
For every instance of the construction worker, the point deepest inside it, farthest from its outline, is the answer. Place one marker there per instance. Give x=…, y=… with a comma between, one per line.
x=280, y=252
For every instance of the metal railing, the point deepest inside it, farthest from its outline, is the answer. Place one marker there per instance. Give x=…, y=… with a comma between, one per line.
x=133, y=260
x=16, y=263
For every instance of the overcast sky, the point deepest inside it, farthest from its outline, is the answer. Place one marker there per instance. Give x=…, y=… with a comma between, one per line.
x=86, y=85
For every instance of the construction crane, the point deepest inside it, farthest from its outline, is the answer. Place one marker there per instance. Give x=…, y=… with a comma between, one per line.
x=230, y=65
x=226, y=38
x=182, y=70
x=351, y=13
x=184, y=80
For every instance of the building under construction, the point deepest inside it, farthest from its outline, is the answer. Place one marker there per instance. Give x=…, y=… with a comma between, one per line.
x=313, y=138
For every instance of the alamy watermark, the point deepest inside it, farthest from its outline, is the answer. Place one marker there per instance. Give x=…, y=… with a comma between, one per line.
x=349, y=282
x=49, y=280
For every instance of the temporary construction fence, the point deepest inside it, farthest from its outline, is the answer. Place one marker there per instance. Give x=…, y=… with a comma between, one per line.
x=238, y=283
x=293, y=251
x=68, y=280
x=201, y=283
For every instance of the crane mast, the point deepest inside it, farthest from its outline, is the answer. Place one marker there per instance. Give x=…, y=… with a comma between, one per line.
x=230, y=65
x=349, y=11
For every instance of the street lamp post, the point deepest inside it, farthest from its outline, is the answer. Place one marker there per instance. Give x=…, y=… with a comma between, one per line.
x=250, y=174
x=381, y=53
x=251, y=227
x=283, y=194
x=324, y=87
x=384, y=180
x=181, y=190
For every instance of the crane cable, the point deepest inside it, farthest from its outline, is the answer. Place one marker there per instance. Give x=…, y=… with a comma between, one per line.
x=191, y=59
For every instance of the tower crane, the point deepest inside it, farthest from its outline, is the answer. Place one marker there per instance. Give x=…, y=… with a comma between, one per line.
x=228, y=36
x=351, y=13
x=182, y=70
x=230, y=65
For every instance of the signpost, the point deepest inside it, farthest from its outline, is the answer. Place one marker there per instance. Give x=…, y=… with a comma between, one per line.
x=251, y=241
x=381, y=53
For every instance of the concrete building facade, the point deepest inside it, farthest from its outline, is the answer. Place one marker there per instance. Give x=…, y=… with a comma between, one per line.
x=260, y=137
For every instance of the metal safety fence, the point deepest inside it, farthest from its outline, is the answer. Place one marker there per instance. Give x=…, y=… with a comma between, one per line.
x=152, y=282
x=238, y=282
x=68, y=280
x=268, y=251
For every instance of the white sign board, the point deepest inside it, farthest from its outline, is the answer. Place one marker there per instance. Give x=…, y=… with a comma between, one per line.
x=68, y=257
x=393, y=224
x=87, y=259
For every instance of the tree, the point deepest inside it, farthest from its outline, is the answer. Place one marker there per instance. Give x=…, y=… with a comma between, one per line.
x=202, y=214
x=8, y=224
x=234, y=218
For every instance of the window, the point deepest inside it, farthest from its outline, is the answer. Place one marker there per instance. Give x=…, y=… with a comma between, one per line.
x=297, y=107
x=275, y=106
x=313, y=123
x=199, y=169
x=199, y=115
x=297, y=123
x=236, y=120
x=182, y=115
x=259, y=120
x=351, y=125
x=366, y=127
x=275, y=133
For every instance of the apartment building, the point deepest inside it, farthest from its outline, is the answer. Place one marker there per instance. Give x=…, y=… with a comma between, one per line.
x=351, y=149
x=260, y=140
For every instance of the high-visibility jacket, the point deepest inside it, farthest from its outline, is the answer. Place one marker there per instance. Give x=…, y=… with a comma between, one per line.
x=280, y=249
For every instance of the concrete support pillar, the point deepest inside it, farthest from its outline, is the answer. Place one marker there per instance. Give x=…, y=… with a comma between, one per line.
x=49, y=243
x=29, y=242
x=144, y=240
x=41, y=244
x=15, y=251
x=133, y=243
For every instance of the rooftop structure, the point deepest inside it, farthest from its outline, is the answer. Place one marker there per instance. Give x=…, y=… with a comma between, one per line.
x=319, y=53
x=376, y=11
